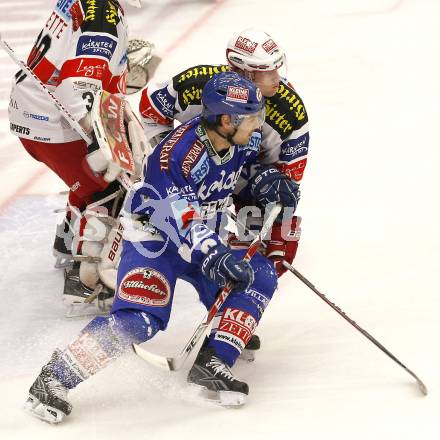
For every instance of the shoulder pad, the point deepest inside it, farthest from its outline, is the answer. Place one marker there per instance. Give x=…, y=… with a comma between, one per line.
x=285, y=112
x=189, y=83
x=101, y=16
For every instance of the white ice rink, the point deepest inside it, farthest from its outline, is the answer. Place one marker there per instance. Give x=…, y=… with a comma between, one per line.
x=369, y=74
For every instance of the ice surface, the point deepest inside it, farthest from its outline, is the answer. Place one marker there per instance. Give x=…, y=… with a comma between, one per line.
x=368, y=72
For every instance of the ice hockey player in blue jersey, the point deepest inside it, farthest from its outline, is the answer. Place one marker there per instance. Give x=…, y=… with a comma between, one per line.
x=255, y=55
x=172, y=221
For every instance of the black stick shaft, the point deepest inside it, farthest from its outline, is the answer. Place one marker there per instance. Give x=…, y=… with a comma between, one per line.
x=304, y=280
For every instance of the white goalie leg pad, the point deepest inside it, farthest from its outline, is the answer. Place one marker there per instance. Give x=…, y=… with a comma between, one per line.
x=110, y=256
x=93, y=238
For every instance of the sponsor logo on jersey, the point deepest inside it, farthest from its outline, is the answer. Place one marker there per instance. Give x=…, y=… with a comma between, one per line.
x=100, y=16
x=36, y=117
x=287, y=95
x=164, y=102
x=96, y=45
x=167, y=147
x=111, y=14
x=294, y=170
x=63, y=8
x=223, y=183
x=210, y=209
x=77, y=15
x=254, y=142
x=269, y=46
x=189, y=84
x=285, y=111
x=236, y=327
x=294, y=148
x=84, y=85
x=246, y=45
x=20, y=129
x=146, y=286
x=90, y=9
x=237, y=94
x=205, y=72
x=92, y=69
x=200, y=171
x=192, y=157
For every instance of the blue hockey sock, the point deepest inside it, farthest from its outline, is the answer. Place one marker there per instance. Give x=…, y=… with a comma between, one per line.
x=103, y=340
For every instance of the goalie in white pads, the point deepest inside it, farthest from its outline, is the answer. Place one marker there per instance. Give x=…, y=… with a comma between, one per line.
x=81, y=51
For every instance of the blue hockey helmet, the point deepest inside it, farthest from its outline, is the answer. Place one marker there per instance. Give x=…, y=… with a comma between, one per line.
x=231, y=94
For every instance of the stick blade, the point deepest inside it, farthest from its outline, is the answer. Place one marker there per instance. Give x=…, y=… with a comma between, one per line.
x=153, y=359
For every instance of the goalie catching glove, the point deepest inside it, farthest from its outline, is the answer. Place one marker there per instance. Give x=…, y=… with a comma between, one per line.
x=142, y=64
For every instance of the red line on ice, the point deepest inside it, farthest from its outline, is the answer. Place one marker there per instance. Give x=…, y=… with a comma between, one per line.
x=196, y=24
x=392, y=8
x=23, y=188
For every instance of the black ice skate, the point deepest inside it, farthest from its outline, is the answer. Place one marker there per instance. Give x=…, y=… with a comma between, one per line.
x=217, y=380
x=47, y=396
x=80, y=299
x=248, y=354
x=61, y=246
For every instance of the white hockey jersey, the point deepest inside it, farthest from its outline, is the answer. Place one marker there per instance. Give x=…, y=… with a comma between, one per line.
x=81, y=49
x=285, y=139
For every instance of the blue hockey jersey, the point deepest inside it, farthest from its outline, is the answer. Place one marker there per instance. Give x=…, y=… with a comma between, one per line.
x=185, y=189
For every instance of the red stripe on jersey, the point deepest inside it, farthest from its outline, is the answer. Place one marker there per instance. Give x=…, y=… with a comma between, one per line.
x=118, y=84
x=44, y=70
x=77, y=15
x=87, y=68
x=147, y=110
x=293, y=170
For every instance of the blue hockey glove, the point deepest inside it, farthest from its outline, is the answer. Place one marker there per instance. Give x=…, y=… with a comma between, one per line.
x=271, y=186
x=221, y=266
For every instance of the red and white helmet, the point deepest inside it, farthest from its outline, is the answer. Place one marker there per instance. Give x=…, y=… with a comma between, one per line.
x=254, y=50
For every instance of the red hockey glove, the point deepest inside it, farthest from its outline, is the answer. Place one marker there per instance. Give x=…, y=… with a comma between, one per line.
x=283, y=243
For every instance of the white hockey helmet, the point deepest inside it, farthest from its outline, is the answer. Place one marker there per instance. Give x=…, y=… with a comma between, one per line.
x=135, y=3
x=254, y=50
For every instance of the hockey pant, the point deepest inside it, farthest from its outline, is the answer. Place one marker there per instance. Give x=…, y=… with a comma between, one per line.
x=143, y=305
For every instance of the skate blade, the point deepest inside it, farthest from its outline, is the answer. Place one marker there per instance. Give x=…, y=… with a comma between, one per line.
x=81, y=309
x=247, y=355
x=225, y=399
x=62, y=261
x=43, y=412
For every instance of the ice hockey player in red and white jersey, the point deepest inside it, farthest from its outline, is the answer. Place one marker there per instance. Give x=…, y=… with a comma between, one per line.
x=82, y=49
x=284, y=147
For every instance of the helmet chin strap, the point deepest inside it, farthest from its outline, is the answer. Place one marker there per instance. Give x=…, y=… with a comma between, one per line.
x=229, y=137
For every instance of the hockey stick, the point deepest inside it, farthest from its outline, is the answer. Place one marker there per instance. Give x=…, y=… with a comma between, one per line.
x=303, y=279
x=122, y=178
x=175, y=363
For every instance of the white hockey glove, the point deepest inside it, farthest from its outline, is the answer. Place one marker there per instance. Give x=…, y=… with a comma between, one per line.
x=142, y=64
